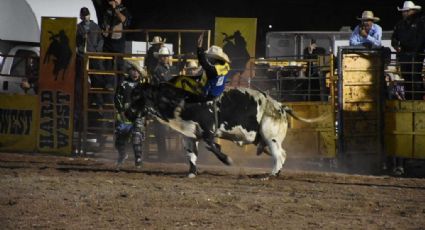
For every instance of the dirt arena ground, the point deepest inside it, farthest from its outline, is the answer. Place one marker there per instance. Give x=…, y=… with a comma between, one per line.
x=47, y=192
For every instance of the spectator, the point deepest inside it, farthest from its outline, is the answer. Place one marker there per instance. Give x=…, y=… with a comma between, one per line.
x=89, y=39
x=115, y=19
x=151, y=62
x=408, y=40
x=394, y=87
x=88, y=34
x=162, y=72
x=31, y=73
x=368, y=33
x=312, y=51
x=193, y=70
x=124, y=127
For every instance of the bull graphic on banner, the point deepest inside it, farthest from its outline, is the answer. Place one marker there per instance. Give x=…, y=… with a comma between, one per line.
x=59, y=52
x=235, y=47
x=237, y=36
x=56, y=85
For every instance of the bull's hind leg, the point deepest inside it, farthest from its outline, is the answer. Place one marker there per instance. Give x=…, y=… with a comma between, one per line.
x=191, y=147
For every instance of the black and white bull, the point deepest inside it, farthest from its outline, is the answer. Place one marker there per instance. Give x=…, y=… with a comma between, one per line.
x=244, y=116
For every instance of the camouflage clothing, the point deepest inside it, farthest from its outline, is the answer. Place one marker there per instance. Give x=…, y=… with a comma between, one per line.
x=124, y=128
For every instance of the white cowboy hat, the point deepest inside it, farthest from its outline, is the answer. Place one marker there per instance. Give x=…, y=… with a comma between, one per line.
x=393, y=73
x=191, y=65
x=157, y=40
x=163, y=51
x=192, y=69
x=217, y=52
x=395, y=77
x=409, y=5
x=368, y=15
x=134, y=64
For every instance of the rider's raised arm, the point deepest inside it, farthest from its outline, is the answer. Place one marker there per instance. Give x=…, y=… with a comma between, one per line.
x=209, y=69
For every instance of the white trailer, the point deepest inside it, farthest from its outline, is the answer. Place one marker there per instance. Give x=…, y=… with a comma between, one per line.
x=20, y=27
x=290, y=44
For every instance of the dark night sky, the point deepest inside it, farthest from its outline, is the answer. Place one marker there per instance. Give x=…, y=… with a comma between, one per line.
x=284, y=15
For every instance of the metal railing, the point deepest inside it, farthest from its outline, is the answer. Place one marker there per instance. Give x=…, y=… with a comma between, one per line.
x=291, y=79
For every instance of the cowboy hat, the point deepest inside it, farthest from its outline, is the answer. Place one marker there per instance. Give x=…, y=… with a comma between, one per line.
x=191, y=65
x=217, y=52
x=163, y=51
x=192, y=69
x=368, y=15
x=394, y=77
x=393, y=73
x=134, y=64
x=409, y=5
x=157, y=40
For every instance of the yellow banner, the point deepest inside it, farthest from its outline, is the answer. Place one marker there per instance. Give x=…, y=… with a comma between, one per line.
x=18, y=122
x=237, y=37
x=56, y=84
x=236, y=34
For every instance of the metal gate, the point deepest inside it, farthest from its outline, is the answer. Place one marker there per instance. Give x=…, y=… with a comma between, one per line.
x=360, y=105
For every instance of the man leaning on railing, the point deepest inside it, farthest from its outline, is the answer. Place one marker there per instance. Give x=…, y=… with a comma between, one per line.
x=408, y=41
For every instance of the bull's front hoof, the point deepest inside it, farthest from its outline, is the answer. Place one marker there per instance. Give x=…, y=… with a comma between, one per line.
x=191, y=175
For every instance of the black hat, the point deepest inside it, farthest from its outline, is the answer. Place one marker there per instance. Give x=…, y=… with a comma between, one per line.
x=84, y=11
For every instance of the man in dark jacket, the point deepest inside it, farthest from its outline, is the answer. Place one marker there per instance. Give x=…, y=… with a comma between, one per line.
x=89, y=39
x=115, y=19
x=151, y=61
x=162, y=72
x=408, y=40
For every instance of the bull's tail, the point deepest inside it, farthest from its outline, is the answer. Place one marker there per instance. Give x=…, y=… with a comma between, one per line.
x=307, y=120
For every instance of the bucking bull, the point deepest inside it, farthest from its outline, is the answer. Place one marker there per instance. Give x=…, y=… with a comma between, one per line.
x=242, y=115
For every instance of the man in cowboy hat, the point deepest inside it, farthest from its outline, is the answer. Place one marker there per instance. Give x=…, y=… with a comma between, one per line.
x=192, y=69
x=395, y=88
x=216, y=66
x=368, y=33
x=151, y=62
x=408, y=40
x=162, y=72
x=124, y=127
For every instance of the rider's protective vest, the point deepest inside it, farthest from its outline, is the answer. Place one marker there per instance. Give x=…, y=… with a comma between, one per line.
x=122, y=99
x=215, y=85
